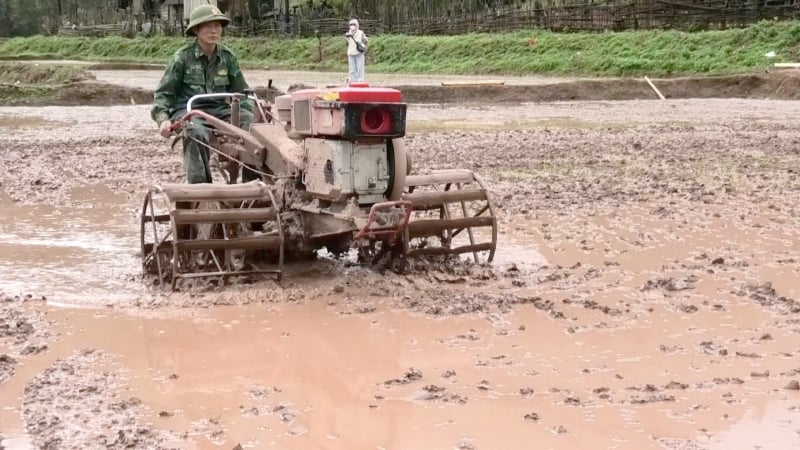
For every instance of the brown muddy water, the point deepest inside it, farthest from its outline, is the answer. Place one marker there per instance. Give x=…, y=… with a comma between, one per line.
x=644, y=295
x=70, y=254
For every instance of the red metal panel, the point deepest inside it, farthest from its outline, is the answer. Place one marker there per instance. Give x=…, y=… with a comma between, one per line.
x=355, y=93
x=370, y=95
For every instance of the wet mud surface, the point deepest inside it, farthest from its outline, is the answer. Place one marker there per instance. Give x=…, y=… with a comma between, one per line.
x=645, y=293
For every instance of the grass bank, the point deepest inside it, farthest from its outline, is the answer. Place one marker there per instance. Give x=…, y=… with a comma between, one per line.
x=629, y=53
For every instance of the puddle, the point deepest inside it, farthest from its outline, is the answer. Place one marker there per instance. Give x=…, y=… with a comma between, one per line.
x=524, y=256
x=291, y=377
x=312, y=376
x=85, y=253
x=774, y=425
x=18, y=442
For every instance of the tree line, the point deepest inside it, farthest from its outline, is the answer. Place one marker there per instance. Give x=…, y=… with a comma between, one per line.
x=29, y=17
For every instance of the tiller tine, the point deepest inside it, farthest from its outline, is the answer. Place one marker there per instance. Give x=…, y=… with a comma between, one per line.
x=452, y=214
x=206, y=230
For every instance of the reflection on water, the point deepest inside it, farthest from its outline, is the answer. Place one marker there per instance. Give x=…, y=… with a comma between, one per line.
x=521, y=255
x=21, y=442
x=775, y=425
x=78, y=253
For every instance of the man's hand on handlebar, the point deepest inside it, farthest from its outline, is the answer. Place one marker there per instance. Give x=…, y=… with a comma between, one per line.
x=168, y=128
x=165, y=130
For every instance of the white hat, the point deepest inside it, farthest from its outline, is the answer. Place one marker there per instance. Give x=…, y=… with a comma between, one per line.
x=354, y=22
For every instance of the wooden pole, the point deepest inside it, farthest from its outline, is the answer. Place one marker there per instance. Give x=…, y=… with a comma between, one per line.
x=654, y=88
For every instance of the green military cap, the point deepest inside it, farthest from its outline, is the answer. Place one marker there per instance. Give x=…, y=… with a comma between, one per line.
x=203, y=14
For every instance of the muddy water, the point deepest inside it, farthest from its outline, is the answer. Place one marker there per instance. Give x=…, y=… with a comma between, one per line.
x=313, y=376
x=70, y=254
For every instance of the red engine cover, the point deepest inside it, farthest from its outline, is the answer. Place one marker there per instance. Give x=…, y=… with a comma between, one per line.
x=355, y=93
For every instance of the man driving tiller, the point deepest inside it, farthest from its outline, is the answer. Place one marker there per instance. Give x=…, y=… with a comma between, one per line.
x=202, y=66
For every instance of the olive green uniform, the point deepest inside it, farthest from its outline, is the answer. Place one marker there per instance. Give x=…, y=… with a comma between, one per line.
x=189, y=72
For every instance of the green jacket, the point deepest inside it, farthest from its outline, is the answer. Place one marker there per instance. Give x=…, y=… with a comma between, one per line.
x=189, y=72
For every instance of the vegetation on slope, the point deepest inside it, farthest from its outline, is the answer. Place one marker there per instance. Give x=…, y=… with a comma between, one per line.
x=628, y=53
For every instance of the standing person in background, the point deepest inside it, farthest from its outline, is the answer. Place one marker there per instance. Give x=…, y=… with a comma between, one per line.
x=356, y=46
x=202, y=66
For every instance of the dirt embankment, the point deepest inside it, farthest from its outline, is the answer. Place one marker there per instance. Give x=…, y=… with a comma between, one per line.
x=777, y=85
x=70, y=85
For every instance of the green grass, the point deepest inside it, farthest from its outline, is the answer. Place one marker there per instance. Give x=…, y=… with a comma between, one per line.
x=629, y=53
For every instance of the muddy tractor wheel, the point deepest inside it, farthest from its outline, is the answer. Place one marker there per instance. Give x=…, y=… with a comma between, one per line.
x=156, y=238
x=398, y=169
x=453, y=215
x=207, y=231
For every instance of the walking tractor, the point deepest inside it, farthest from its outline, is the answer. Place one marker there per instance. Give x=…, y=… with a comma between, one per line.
x=334, y=174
